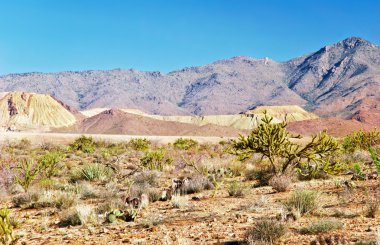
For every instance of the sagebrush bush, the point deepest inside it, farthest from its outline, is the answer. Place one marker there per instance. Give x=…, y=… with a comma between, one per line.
x=185, y=144
x=322, y=226
x=265, y=232
x=91, y=172
x=303, y=201
x=280, y=183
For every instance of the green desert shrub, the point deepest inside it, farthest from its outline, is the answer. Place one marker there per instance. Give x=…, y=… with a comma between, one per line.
x=155, y=159
x=50, y=163
x=84, y=144
x=303, y=202
x=139, y=144
x=322, y=226
x=361, y=140
x=274, y=143
x=26, y=171
x=91, y=172
x=185, y=144
x=265, y=232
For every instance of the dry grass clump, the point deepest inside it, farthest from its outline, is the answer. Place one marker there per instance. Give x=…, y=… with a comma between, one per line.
x=152, y=220
x=86, y=191
x=79, y=215
x=25, y=199
x=335, y=239
x=303, y=202
x=179, y=201
x=373, y=209
x=148, y=177
x=322, y=226
x=6, y=177
x=236, y=189
x=280, y=183
x=265, y=232
x=44, y=199
x=237, y=168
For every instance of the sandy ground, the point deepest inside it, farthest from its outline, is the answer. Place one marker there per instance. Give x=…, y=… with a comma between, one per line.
x=64, y=138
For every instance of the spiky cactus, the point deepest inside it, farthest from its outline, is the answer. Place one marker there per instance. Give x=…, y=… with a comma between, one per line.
x=274, y=143
x=6, y=228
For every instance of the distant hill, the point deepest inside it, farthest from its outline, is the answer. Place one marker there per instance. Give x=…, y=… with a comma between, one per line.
x=115, y=121
x=327, y=82
x=25, y=111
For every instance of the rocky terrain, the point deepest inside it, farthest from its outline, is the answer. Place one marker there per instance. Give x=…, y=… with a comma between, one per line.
x=328, y=82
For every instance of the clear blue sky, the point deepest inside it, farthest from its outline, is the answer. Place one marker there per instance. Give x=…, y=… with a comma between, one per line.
x=164, y=35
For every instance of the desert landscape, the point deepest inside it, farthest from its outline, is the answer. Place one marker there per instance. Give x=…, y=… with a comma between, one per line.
x=305, y=172
x=240, y=150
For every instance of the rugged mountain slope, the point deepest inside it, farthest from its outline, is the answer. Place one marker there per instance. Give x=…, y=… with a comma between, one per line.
x=327, y=81
x=224, y=87
x=337, y=76
x=19, y=110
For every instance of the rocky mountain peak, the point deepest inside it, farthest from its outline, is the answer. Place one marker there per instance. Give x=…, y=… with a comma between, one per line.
x=353, y=42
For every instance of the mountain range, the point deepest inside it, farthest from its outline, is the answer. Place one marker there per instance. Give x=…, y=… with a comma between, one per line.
x=333, y=81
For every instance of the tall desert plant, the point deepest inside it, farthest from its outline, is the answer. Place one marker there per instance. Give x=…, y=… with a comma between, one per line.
x=6, y=228
x=26, y=171
x=273, y=142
